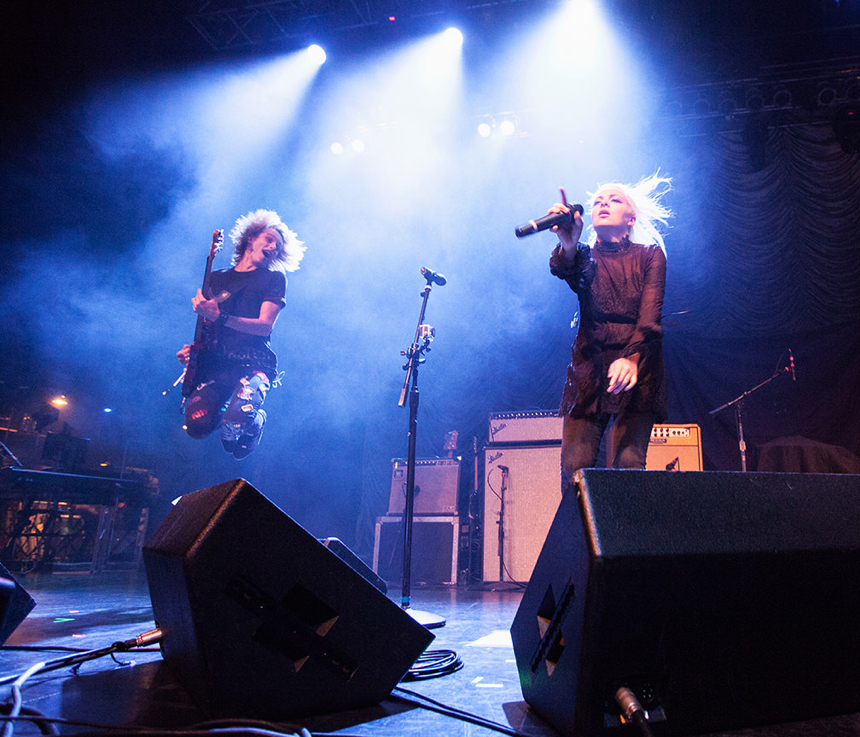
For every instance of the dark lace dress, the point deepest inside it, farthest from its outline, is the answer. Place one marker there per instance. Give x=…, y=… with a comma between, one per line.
x=620, y=288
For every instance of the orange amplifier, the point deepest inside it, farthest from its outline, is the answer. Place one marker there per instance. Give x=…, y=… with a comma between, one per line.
x=675, y=448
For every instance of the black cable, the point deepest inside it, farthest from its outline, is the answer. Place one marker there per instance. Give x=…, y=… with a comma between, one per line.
x=42, y=721
x=244, y=726
x=434, y=664
x=243, y=723
x=80, y=657
x=105, y=730
x=429, y=665
x=42, y=649
x=453, y=712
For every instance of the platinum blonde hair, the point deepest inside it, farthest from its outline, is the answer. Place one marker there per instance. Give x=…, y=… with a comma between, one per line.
x=644, y=197
x=290, y=250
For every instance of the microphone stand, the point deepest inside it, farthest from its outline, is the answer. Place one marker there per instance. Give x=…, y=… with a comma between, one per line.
x=739, y=402
x=415, y=356
x=502, y=524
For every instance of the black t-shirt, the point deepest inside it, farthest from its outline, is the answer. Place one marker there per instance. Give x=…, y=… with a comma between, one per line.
x=241, y=294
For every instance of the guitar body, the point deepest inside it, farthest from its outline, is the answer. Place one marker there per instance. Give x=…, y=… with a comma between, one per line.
x=189, y=380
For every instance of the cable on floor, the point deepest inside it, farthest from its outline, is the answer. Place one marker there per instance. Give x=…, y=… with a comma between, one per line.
x=434, y=664
x=451, y=711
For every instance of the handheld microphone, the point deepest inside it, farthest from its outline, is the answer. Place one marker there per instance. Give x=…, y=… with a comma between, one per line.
x=547, y=221
x=433, y=277
x=791, y=365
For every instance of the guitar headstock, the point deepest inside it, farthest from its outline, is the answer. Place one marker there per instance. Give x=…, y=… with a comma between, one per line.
x=217, y=243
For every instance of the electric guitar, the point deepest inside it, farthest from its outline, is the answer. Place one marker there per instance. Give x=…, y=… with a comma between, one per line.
x=202, y=329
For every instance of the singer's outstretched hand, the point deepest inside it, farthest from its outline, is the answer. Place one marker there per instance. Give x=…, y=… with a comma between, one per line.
x=568, y=233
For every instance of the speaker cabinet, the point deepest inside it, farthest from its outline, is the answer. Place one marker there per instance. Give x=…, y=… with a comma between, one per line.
x=435, y=548
x=437, y=481
x=15, y=604
x=722, y=600
x=522, y=490
x=261, y=620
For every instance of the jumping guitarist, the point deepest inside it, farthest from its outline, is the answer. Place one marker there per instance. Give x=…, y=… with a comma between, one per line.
x=230, y=366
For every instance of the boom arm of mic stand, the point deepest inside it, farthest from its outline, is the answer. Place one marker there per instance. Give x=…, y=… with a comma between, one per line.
x=747, y=392
x=739, y=401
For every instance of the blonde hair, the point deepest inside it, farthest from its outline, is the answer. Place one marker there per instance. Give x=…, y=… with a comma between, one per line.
x=290, y=250
x=644, y=197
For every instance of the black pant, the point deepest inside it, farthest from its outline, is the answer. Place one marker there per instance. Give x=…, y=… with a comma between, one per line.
x=226, y=400
x=580, y=442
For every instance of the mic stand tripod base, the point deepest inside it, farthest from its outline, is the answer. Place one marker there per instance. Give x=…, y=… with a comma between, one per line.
x=426, y=619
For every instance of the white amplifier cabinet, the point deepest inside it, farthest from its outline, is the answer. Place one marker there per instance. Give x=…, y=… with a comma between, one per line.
x=518, y=427
x=437, y=481
x=527, y=479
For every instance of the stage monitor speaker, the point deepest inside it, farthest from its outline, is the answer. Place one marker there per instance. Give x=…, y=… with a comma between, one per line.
x=528, y=480
x=15, y=604
x=722, y=600
x=261, y=620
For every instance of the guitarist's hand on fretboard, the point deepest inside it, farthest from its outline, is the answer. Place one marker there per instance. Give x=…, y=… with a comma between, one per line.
x=208, y=308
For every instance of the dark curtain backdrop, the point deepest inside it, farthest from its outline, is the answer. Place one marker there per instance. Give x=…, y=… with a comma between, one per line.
x=778, y=269
x=764, y=256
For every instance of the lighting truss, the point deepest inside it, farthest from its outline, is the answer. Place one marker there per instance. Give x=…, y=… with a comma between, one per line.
x=231, y=24
x=779, y=95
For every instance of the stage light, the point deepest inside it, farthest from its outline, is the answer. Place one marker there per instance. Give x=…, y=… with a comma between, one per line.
x=782, y=96
x=317, y=54
x=454, y=36
x=674, y=109
x=505, y=126
x=702, y=106
x=59, y=401
x=826, y=95
x=852, y=90
x=727, y=104
x=358, y=146
x=107, y=410
x=336, y=148
x=508, y=126
x=755, y=101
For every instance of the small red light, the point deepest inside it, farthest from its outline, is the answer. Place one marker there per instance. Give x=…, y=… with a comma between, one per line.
x=392, y=18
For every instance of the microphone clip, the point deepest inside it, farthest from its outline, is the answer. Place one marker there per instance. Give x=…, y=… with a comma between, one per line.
x=433, y=277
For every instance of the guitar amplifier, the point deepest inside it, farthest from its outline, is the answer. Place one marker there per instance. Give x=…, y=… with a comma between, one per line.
x=675, y=448
x=671, y=448
x=516, y=427
x=437, y=481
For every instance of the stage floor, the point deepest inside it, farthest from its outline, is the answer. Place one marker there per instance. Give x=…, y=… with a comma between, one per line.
x=90, y=611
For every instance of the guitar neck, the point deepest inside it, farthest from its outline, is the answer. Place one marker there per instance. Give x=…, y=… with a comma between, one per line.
x=217, y=238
